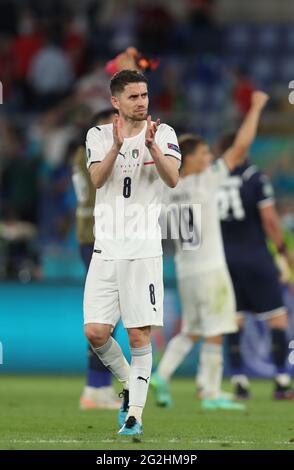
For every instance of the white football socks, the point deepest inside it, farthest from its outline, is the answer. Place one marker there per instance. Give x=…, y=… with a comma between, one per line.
x=211, y=370
x=176, y=351
x=112, y=357
x=140, y=372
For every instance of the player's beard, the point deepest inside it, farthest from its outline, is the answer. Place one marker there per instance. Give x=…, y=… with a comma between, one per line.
x=143, y=118
x=137, y=117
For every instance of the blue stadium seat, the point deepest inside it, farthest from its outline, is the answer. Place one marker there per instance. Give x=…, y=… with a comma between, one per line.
x=288, y=38
x=198, y=94
x=217, y=97
x=267, y=38
x=238, y=37
x=285, y=68
x=262, y=69
x=234, y=59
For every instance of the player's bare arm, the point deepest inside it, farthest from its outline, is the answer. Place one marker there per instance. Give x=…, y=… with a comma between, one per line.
x=236, y=154
x=167, y=166
x=101, y=171
x=273, y=229
x=271, y=223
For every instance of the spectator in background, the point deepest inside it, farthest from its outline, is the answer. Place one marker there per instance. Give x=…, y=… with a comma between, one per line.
x=26, y=44
x=155, y=26
x=201, y=12
x=51, y=74
x=51, y=135
x=205, y=31
x=242, y=92
x=7, y=66
x=74, y=44
x=19, y=192
x=91, y=89
x=170, y=97
x=51, y=13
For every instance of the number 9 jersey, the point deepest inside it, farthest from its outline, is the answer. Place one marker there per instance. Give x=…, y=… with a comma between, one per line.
x=193, y=209
x=127, y=207
x=205, y=287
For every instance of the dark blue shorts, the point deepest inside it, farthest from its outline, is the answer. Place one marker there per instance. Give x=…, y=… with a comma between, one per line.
x=256, y=284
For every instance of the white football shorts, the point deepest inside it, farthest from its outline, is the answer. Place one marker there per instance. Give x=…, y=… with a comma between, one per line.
x=128, y=289
x=208, y=304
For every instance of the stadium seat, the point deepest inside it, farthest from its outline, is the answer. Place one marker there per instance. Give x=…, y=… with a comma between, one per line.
x=262, y=69
x=288, y=38
x=285, y=69
x=267, y=38
x=238, y=37
x=198, y=94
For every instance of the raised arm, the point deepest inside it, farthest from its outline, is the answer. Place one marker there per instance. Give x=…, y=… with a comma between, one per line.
x=236, y=154
x=167, y=166
x=101, y=171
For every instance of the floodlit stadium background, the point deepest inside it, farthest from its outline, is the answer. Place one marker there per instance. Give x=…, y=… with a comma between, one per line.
x=212, y=54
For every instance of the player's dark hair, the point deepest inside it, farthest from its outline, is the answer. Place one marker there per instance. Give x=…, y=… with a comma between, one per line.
x=188, y=144
x=225, y=142
x=101, y=116
x=123, y=78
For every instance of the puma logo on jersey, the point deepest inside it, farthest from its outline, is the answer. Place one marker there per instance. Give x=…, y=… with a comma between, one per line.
x=128, y=153
x=142, y=378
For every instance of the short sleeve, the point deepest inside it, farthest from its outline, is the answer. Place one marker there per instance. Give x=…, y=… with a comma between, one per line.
x=167, y=141
x=95, y=147
x=264, y=191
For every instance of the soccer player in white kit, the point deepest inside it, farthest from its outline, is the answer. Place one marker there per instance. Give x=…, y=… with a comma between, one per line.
x=129, y=162
x=205, y=287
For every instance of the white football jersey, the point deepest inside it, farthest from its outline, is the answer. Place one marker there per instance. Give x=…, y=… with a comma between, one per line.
x=199, y=248
x=127, y=207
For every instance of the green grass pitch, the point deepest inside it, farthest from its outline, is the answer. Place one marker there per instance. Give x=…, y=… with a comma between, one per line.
x=43, y=413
